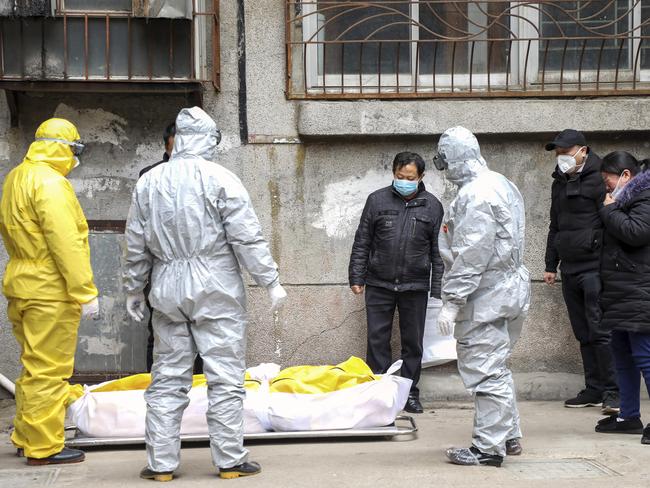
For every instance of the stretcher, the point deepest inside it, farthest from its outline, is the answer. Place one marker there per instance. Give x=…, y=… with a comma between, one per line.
x=300, y=402
x=404, y=425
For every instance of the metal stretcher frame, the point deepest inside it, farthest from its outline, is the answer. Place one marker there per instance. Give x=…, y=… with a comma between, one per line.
x=390, y=431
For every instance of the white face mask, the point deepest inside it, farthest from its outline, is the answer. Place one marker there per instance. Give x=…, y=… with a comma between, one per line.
x=566, y=162
x=617, y=190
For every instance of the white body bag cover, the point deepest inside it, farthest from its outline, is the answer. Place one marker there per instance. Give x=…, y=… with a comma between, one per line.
x=372, y=404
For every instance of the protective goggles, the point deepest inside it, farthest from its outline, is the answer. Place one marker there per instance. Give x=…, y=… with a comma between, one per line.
x=440, y=162
x=77, y=147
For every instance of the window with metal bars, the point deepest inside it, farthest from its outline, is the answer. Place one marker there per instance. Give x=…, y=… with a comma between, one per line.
x=430, y=48
x=113, y=41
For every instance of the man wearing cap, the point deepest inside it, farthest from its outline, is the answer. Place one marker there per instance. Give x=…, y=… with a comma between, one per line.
x=574, y=242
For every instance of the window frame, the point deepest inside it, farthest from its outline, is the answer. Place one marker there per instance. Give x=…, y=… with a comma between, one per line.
x=525, y=73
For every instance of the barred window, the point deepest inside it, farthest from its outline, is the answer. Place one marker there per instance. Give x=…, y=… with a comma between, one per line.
x=138, y=41
x=407, y=48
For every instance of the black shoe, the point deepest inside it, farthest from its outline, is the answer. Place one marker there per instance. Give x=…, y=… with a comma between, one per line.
x=611, y=425
x=645, y=438
x=148, y=474
x=20, y=452
x=413, y=405
x=611, y=403
x=66, y=456
x=513, y=447
x=585, y=398
x=473, y=457
x=246, y=469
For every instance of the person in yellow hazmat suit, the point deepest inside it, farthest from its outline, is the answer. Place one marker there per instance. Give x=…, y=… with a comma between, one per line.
x=49, y=287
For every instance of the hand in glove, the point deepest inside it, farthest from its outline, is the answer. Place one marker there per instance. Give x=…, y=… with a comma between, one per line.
x=447, y=318
x=135, y=306
x=278, y=297
x=90, y=310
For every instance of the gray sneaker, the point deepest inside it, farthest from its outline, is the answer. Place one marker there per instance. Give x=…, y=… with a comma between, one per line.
x=473, y=457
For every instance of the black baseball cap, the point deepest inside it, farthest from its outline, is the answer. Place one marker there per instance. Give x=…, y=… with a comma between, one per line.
x=567, y=138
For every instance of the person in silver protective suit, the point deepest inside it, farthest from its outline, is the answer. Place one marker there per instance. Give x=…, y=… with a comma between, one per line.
x=485, y=292
x=192, y=223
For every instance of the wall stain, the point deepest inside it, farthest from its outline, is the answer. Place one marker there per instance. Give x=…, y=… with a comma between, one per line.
x=276, y=206
x=300, y=173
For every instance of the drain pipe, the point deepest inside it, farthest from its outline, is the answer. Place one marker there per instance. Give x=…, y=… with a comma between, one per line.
x=7, y=384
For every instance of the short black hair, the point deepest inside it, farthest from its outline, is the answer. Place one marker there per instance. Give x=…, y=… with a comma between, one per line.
x=170, y=131
x=405, y=158
x=618, y=161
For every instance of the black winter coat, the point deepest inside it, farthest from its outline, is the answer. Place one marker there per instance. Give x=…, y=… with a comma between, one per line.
x=576, y=230
x=396, y=243
x=625, y=271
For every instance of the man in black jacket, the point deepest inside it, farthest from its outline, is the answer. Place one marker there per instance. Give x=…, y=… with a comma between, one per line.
x=574, y=243
x=395, y=259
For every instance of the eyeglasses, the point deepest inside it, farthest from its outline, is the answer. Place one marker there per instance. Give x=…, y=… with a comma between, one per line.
x=76, y=146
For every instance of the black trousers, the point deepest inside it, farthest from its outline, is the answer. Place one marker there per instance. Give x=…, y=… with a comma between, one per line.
x=198, y=362
x=380, y=309
x=581, y=295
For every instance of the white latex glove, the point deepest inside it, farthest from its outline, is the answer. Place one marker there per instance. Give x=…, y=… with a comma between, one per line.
x=90, y=310
x=135, y=305
x=447, y=318
x=278, y=296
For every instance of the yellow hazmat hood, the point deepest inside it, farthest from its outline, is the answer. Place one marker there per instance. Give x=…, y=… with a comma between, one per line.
x=56, y=154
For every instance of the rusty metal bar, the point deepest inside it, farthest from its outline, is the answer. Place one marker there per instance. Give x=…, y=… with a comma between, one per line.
x=618, y=63
x=397, y=67
x=22, y=47
x=600, y=57
x=86, y=45
x=129, y=49
x=342, y=68
x=582, y=54
x=636, y=64
x=566, y=44
x=43, y=51
x=435, y=63
x=471, y=65
x=544, y=64
x=361, y=68
x=148, y=37
x=453, y=65
x=417, y=65
x=65, y=47
x=304, y=61
x=2, y=48
x=171, y=49
x=108, y=48
x=508, y=65
x=193, y=41
x=288, y=27
x=489, y=64
x=381, y=44
x=216, y=46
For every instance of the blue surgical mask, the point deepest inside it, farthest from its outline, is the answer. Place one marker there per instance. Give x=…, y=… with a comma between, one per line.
x=405, y=187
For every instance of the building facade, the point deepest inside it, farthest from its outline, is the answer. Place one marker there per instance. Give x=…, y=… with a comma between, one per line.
x=314, y=98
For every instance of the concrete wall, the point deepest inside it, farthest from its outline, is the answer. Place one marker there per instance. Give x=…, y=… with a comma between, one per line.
x=309, y=195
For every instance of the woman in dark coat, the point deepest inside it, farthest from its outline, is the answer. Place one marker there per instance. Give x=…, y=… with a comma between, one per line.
x=625, y=271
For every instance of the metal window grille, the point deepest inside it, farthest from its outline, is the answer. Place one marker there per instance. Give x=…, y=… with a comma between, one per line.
x=111, y=45
x=466, y=48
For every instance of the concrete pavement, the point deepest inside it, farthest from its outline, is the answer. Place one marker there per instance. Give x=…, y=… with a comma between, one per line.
x=560, y=448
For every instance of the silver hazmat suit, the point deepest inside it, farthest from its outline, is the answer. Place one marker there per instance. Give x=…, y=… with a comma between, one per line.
x=482, y=245
x=192, y=221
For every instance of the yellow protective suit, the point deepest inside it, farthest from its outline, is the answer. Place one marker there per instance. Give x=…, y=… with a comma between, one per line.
x=47, y=278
